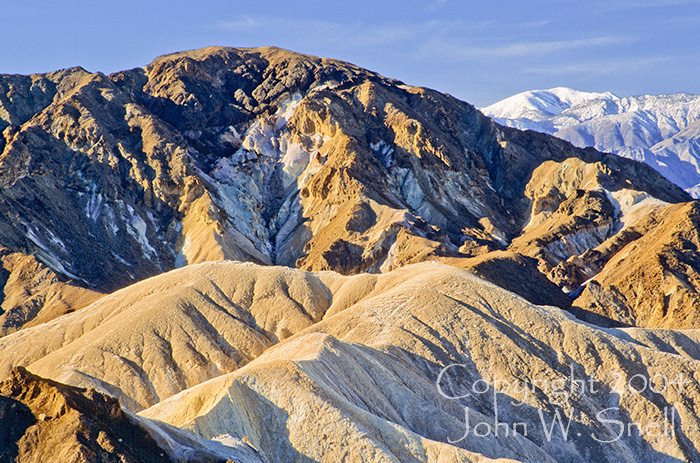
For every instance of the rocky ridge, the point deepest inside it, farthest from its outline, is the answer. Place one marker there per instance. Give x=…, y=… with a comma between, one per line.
x=273, y=157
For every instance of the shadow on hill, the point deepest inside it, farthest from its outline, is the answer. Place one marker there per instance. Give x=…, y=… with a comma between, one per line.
x=15, y=419
x=593, y=318
x=264, y=426
x=587, y=426
x=580, y=439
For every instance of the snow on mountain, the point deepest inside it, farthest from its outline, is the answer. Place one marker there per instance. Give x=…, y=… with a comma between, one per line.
x=540, y=105
x=659, y=130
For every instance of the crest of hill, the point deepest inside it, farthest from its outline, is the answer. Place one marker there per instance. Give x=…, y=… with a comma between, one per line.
x=364, y=360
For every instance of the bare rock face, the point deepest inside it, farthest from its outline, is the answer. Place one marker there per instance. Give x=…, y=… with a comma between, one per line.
x=575, y=206
x=274, y=157
x=47, y=421
x=652, y=280
x=581, y=222
x=625, y=257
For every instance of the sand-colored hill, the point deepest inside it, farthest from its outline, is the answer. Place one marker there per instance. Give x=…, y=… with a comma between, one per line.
x=357, y=378
x=31, y=293
x=395, y=343
x=165, y=334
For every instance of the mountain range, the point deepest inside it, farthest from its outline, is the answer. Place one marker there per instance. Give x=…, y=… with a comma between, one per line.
x=661, y=130
x=251, y=254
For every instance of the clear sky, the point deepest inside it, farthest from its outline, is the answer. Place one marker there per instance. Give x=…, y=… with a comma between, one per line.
x=479, y=51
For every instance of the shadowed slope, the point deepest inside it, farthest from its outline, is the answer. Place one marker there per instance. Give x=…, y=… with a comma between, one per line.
x=357, y=378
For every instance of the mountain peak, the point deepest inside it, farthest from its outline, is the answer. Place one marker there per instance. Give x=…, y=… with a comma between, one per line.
x=655, y=129
x=200, y=54
x=537, y=105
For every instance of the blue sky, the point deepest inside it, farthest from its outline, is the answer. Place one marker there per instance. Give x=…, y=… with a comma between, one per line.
x=480, y=51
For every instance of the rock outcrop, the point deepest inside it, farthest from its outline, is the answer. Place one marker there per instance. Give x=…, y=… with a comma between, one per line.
x=42, y=420
x=625, y=257
x=649, y=276
x=46, y=421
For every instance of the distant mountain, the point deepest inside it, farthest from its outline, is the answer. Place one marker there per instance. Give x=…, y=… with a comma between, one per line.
x=539, y=107
x=660, y=130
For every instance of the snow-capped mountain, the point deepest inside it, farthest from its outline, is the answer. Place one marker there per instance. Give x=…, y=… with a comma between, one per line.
x=542, y=105
x=660, y=130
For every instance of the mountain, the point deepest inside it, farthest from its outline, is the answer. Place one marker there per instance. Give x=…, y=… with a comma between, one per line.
x=539, y=107
x=251, y=254
x=660, y=130
x=267, y=156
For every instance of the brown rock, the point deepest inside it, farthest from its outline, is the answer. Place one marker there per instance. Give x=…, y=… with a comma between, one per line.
x=653, y=280
x=42, y=420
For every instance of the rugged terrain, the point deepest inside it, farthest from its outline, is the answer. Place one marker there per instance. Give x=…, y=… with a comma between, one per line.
x=42, y=420
x=273, y=157
x=660, y=130
x=358, y=377
x=644, y=272
x=257, y=255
